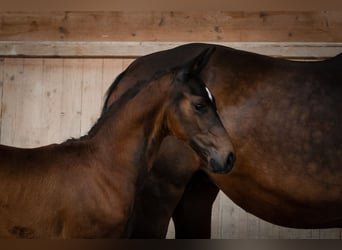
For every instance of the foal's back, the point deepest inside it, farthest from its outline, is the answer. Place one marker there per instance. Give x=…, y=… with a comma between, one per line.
x=44, y=192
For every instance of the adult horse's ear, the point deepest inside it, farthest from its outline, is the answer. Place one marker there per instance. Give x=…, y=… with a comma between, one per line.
x=195, y=66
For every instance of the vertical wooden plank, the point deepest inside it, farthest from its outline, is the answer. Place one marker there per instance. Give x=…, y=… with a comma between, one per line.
x=22, y=88
x=2, y=62
x=13, y=79
x=50, y=101
x=292, y=233
x=111, y=69
x=216, y=221
x=126, y=62
x=29, y=115
x=41, y=104
x=267, y=230
x=315, y=234
x=234, y=220
x=330, y=233
x=91, y=93
x=252, y=227
x=71, y=99
x=228, y=220
x=171, y=233
x=228, y=215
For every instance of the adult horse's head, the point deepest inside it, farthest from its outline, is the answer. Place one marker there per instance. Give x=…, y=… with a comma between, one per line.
x=193, y=117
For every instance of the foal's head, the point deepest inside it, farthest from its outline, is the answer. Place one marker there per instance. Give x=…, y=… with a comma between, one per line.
x=192, y=117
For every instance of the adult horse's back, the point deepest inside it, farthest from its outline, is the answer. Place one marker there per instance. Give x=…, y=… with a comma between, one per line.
x=284, y=120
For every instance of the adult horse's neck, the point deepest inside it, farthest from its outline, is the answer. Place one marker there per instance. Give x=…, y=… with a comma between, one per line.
x=130, y=132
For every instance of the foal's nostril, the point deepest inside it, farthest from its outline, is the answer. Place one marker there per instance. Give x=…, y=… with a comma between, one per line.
x=230, y=160
x=228, y=164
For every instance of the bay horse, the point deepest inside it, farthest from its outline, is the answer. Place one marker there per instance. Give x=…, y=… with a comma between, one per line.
x=85, y=188
x=284, y=119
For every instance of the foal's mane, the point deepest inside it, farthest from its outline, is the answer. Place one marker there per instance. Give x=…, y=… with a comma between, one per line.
x=134, y=90
x=118, y=79
x=111, y=89
x=124, y=98
x=115, y=107
x=118, y=104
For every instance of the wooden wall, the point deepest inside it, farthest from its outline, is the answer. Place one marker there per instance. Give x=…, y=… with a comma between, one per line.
x=56, y=67
x=51, y=100
x=173, y=26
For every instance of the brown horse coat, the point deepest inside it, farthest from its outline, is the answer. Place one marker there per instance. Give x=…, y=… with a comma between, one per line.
x=284, y=118
x=85, y=188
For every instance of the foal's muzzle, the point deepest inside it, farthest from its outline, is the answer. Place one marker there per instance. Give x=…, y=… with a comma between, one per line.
x=223, y=168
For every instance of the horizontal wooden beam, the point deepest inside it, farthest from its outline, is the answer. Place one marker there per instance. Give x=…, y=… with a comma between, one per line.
x=134, y=5
x=173, y=26
x=135, y=49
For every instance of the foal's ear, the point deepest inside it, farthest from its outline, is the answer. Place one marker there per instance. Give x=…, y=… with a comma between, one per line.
x=195, y=66
x=199, y=62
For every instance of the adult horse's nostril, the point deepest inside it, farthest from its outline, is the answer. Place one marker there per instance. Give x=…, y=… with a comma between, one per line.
x=230, y=161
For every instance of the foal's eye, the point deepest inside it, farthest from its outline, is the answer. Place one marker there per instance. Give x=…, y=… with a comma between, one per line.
x=201, y=106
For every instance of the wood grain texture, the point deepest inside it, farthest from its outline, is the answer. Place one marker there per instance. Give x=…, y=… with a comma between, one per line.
x=215, y=26
x=51, y=101
x=315, y=34
x=2, y=63
x=296, y=50
x=71, y=99
x=91, y=93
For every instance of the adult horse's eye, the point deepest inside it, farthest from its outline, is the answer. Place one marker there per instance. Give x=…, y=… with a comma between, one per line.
x=201, y=107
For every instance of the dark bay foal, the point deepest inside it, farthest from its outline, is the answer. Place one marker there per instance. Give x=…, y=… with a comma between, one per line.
x=85, y=188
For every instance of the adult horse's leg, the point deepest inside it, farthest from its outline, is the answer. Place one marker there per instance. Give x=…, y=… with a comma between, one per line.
x=192, y=216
